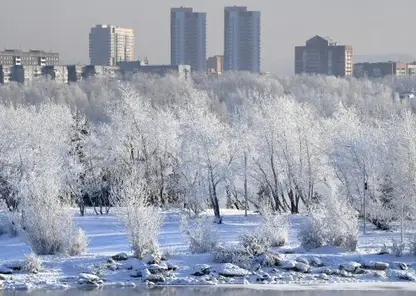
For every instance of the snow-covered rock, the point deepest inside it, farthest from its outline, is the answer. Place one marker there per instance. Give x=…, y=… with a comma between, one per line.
x=323, y=276
x=89, y=280
x=231, y=270
x=152, y=259
x=145, y=273
x=302, y=267
x=344, y=273
x=287, y=265
x=302, y=260
x=157, y=268
x=120, y=257
x=201, y=269
x=403, y=275
x=269, y=259
x=376, y=265
x=171, y=266
x=316, y=262
x=5, y=270
x=156, y=278
x=350, y=266
x=134, y=263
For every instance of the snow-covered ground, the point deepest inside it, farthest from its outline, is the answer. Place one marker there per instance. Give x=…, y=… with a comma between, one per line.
x=107, y=237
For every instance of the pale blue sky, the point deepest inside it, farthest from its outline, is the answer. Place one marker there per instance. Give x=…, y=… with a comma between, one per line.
x=371, y=26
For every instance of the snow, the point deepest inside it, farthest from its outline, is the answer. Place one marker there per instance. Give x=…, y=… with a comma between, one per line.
x=107, y=238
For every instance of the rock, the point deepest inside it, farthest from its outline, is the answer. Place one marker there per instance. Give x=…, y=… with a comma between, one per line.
x=111, y=261
x=156, y=268
x=201, y=270
x=3, y=277
x=287, y=265
x=269, y=259
x=145, y=273
x=302, y=260
x=350, y=266
x=112, y=267
x=323, y=276
x=152, y=259
x=5, y=270
x=344, y=273
x=231, y=270
x=302, y=267
x=360, y=271
x=172, y=266
x=379, y=274
x=136, y=274
x=89, y=280
x=120, y=257
x=316, y=262
x=156, y=278
x=134, y=263
x=403, y=266
x=407, y=277
x=376, y=265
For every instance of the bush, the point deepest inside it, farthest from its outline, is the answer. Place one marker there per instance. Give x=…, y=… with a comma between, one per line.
x=256, y=242
x=33, y=263
x=142, y=221
x=398, y=248
x=79, y=243
x=335, y=223
x=201, y=234
x=47, y=226
x=232, y=254
x=276, y=228
x=412, y=245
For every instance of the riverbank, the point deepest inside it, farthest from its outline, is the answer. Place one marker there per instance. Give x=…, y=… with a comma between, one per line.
x=282, y=268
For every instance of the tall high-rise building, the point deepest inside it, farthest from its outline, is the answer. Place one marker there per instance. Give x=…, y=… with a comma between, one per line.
x=188, y=40
x=325, y=57
x=241, y=39
x=110, y=45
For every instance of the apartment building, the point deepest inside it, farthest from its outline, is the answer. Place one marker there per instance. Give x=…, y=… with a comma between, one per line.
x=109, y=45
x=188, y=40
x=11, y=57
x=215, y=64
x=382, y=69
x=325, y=57
x=242, y=39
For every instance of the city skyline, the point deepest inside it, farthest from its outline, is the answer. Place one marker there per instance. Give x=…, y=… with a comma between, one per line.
x=350, y=23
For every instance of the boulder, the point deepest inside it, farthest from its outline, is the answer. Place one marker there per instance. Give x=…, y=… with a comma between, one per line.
x=136, y=274
x=156, y=278
x=376, y=265
x=344, y=273
x=350, y=266
x=231, y=270
x=134, y=263
x=152, y=259
x=120, y=257
x=323, y=276
x=316, y=262
x=201, y=270
x=145, y=273
x=403, y=266
x=269, y=259
x=302, y=267
x=3, y=277
x=360, y=271
x=406, y=276
x=287, y=265
x=156, y=268
x=89, y=280
x=171, y=266
x=302, y=260
x=5, y=270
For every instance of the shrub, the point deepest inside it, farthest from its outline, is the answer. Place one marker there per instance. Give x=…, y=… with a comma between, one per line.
x=256, y=242
x=398, y=248
x=33, y=263
x=79, y=243
x=232, y=254
x=201, y=234
x=276, y=228
x=412, y=245
x=142, y=221
x=335, y=223
x=46, y=226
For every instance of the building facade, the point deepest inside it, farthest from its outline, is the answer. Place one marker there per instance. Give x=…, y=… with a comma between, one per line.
x=242, y=39
x=215, y=65
x=11, y=57
x=382, y=69
x=188, y=40
x=324, y=57
x=109, y=45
